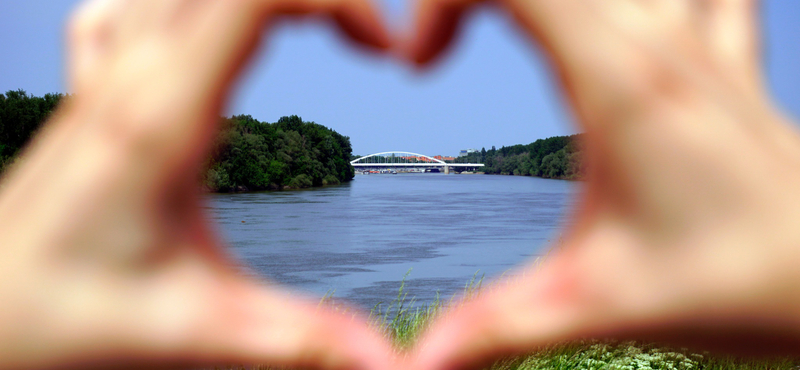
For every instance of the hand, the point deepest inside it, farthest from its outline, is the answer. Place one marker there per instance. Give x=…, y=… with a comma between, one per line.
x=107, y=256
x=687, y=227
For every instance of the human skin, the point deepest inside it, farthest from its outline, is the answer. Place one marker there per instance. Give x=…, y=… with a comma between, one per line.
x=686, y=230
x=107, y=258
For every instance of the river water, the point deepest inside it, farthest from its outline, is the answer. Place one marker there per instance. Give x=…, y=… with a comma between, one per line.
x=359, y=239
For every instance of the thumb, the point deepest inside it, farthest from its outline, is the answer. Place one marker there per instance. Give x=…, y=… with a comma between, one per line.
x=265, y=327
x=511, y=317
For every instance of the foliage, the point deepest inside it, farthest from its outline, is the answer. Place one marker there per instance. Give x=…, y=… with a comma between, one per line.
x=246, y=155
x=21, y=116
x=288, y=154
x=403, y=320
x=614, y=355
x=556, y=158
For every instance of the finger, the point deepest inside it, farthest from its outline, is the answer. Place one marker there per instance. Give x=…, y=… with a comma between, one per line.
x=265, y=327
x=732, y=29
x=152, y=17
x=591, y=50
x=511, y=318
x=202, y=57
x=173, y=318
x=554, y=23
x=601, y=288
x=88, y=34
x=436, y=23
x=675, y=12
x=360, y=20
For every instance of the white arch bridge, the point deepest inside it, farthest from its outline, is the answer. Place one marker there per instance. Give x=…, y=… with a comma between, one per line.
x=407, y=161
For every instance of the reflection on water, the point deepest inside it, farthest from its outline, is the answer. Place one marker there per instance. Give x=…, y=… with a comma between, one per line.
x=359, y=239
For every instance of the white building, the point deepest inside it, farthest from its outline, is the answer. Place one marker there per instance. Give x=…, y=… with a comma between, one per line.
x=466, y=152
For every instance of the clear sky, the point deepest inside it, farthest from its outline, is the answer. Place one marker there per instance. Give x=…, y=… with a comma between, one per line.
x=493, y=89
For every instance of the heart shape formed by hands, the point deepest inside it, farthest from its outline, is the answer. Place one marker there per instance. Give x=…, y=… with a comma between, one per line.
x=669, y=93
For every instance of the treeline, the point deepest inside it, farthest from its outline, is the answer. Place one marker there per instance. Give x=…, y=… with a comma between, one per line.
x=555, y=158
x=246, y=155
x=288, y=154
x=21, y=115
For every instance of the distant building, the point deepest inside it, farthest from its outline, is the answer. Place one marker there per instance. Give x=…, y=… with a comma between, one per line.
x=467, y=152
x=444, y=158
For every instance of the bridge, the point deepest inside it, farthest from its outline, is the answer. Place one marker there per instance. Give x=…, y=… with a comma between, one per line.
x=408, y=162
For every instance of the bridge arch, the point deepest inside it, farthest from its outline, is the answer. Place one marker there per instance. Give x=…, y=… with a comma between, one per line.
x=417, y=155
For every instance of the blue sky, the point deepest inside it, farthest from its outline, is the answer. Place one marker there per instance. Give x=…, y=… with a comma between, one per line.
x=493, y=89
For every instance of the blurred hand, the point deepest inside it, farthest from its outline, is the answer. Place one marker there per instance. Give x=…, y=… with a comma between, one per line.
x=687, y=230
x=107, y=257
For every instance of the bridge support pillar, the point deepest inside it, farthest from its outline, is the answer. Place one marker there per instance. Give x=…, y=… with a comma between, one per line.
x=446, y=170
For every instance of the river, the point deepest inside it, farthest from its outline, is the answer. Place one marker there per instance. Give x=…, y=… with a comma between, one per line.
x=359, y=239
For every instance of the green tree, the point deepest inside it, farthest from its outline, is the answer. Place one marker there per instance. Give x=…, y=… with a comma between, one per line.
x=21, y=116
x=556, y=157
x=290, y=153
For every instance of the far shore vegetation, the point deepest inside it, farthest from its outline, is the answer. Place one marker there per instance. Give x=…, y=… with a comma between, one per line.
x=557, y=157
x=21, y=116
x=247, y=155
x=288, y=154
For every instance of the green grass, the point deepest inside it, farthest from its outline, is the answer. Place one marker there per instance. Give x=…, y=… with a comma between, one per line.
x=596, y=355
x=402, y=320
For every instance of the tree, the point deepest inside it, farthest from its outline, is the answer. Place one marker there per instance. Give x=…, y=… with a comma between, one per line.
x=556, y=157
x=21, y=116
x=290, y=153
x=246, y=154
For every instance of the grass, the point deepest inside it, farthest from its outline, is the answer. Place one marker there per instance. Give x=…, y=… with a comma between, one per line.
x=596, y=355
x=402, y=321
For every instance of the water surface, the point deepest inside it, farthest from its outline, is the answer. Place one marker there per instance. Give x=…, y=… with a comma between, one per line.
x=360, y=238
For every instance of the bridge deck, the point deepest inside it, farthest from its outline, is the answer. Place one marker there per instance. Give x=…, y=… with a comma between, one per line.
x=418, y=165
